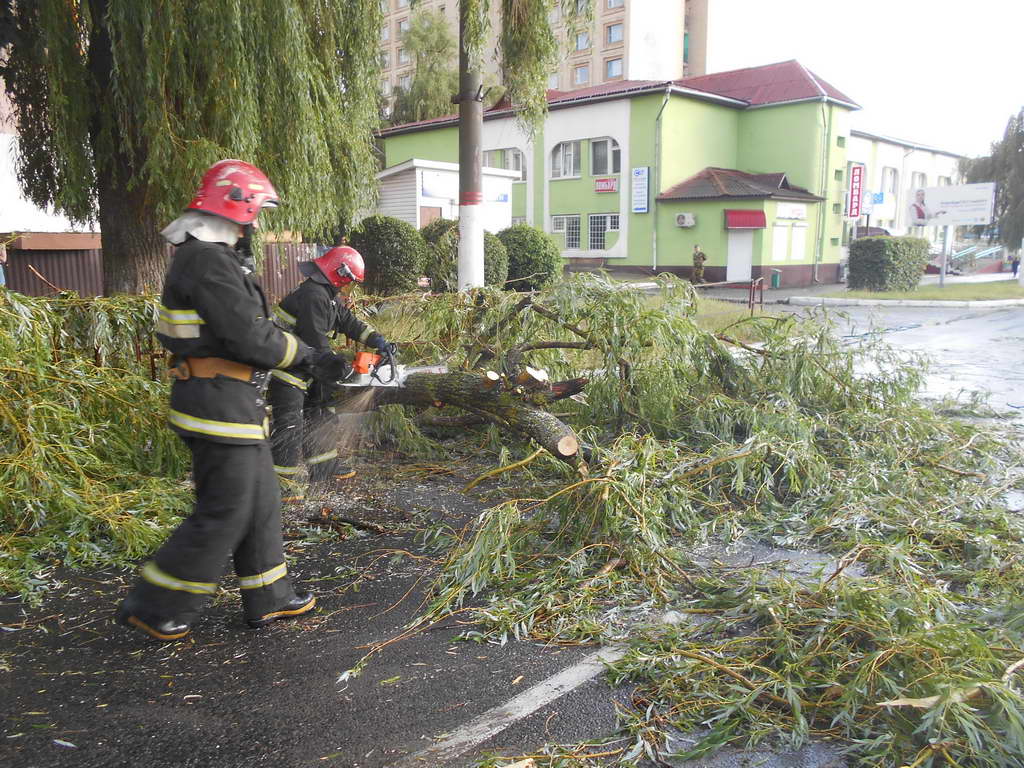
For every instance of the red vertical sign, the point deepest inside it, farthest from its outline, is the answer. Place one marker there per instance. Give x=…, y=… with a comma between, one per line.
x=856, y=192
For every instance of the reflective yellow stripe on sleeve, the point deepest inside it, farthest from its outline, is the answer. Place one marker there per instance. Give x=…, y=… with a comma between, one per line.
x=154, y=575
x=284, y=318
x=179, y=323
x=291, y=347
x=238, y=430
x=287, y=378
x=286, y=471
x=264, y=579
x=366, y=334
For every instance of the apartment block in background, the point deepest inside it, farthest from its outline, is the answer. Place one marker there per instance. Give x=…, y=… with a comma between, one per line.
x=626, y=40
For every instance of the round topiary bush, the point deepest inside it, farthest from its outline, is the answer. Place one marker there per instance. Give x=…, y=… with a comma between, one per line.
x=442, y=266
x=533, y=257
x=394, y=253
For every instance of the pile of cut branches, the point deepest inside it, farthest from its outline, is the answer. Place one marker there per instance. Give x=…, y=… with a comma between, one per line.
x=89, y=473
x=905, y=648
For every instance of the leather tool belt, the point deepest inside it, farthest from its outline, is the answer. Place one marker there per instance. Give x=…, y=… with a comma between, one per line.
x=185, y=368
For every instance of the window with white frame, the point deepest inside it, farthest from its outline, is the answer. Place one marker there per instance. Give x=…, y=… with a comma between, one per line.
x=582, y=41
x=404, y=82
x=581, y=74
x=890, y=181
x=918, y=180
x=568, y=225
x=599, y=224
x=613, y=69
x=385, y=88
x=514, y=161
x=613, y=33
x=403, y=3
x=402, y=27
x=492, y=158
x=385, y=33
x=944, y=181
x=385, y=60
x=553, y=81
x=582, y=5
x=403, y=57
x=518, y=220
x=565, y=160
x=615, y=3
x=605, y=157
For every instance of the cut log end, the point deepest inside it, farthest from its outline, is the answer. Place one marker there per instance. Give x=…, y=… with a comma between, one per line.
x=568, y=445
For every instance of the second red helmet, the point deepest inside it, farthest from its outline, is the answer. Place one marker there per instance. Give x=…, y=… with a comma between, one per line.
x=340, y=266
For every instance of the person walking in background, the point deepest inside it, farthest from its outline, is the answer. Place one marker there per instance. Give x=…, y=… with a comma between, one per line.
x=1015, y=263
x=698, y=265
x=3, y=265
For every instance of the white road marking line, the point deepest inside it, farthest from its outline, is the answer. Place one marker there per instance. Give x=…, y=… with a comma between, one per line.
x=499, y=718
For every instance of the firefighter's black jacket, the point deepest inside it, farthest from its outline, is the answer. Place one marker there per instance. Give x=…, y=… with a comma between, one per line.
x=315, y=314
x=211, y=308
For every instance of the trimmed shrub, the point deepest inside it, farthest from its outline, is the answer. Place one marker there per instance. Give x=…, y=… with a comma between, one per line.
x=533, y=257
x=394, y=253
x=887, y=263
x=442, y=267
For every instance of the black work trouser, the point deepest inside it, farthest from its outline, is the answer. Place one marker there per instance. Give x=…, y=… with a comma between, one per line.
x=237, y=514
x=302, y=430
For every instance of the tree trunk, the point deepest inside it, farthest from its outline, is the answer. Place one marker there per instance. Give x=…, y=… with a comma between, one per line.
x=514, y=407
x=134, y=253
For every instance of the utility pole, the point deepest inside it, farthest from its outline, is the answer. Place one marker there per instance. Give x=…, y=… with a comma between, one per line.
x=471, y=126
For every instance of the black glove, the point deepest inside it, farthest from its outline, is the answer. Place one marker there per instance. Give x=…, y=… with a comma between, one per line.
x=328, y=366
x=386, y=348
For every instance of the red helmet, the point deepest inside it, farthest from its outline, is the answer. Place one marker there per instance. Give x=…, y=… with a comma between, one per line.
x=340, y=266
x=234, y=190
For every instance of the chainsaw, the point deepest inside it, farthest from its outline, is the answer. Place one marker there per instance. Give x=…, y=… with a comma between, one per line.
x=370, y=369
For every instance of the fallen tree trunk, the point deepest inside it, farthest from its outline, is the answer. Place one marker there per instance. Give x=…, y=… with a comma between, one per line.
x=515, y=405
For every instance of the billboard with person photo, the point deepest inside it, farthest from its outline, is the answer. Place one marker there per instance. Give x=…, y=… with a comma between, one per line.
x=951, y=205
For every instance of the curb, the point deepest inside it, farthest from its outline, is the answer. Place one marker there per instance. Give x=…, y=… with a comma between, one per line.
x=813, y=301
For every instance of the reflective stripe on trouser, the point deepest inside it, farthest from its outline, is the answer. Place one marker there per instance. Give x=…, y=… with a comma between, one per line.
x=237, y=513
x=286, y=427
x=320, y=443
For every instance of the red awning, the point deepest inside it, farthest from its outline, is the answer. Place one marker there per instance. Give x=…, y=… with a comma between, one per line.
x=744, y=219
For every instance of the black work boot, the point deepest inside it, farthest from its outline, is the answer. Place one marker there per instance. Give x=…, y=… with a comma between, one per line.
x=301, y=603
x=154, y=626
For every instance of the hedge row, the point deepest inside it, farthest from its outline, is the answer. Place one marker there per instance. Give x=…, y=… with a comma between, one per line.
x=521, y=257
x=886, y=263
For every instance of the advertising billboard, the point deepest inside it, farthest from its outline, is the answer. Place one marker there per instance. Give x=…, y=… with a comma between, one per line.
x=951, y=205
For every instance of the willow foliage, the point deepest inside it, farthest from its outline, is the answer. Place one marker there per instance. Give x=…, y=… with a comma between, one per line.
x=89, y=473
x=290, y=85
x=901, y=642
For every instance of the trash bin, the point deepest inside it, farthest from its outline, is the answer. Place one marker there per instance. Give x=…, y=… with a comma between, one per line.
x=776, y=278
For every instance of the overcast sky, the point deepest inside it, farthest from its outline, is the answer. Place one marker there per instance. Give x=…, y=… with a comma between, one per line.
x=948, y=73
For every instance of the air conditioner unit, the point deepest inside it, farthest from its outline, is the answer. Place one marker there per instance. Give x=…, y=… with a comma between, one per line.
x=685, y=220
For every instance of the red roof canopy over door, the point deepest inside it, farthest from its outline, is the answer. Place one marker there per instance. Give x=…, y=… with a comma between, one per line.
x=743, y=219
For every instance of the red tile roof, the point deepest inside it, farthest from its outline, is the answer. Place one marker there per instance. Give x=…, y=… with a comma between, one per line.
x=716, y=183
x=779, y=83
x=768, y=84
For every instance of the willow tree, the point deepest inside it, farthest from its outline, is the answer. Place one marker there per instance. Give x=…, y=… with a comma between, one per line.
x=120, y=106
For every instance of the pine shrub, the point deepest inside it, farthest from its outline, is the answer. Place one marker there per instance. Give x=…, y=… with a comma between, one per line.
x=533, y=257
x=442, y=267
x=394, y=254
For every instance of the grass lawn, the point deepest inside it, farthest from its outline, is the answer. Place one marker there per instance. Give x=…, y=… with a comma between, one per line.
x=1002, y=289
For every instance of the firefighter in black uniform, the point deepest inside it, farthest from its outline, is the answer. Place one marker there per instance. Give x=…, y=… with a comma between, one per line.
x=215, y=321
x=299, y=404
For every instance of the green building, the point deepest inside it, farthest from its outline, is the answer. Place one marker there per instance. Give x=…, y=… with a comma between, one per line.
x=749, y=164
